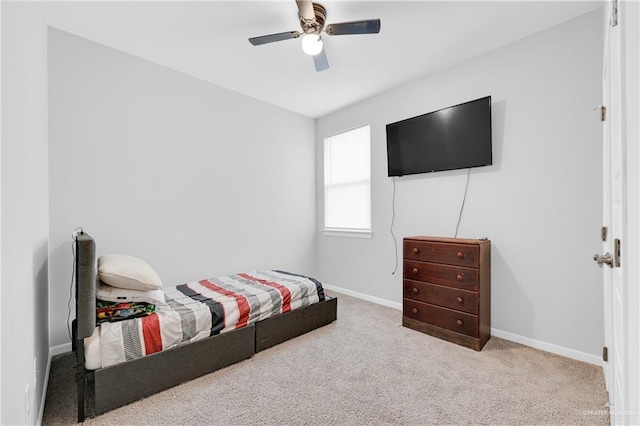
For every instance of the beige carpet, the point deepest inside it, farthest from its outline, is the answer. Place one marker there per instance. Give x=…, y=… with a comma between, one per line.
x=365, y=369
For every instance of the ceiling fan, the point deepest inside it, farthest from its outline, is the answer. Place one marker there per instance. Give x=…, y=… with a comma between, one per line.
x=312, y=19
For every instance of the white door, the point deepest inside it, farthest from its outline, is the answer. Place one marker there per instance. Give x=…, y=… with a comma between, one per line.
x=614, y=203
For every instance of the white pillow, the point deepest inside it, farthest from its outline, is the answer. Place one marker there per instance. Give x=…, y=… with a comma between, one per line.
x=120, y=270
x=93, y=351
x=114, y=294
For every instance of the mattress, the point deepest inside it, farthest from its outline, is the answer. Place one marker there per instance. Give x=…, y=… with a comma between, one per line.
x=199, y=309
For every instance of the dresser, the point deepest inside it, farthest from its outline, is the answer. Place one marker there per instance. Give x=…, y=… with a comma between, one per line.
x=447, y=288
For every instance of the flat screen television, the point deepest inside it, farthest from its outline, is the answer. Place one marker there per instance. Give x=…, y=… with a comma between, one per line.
x=457, y=137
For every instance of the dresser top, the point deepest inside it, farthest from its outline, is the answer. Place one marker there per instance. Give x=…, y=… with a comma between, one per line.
x=450, y=240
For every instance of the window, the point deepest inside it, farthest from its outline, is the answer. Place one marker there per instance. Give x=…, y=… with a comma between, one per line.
x=347, y=182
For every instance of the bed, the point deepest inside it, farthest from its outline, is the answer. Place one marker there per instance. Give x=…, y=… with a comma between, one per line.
x=285, y=305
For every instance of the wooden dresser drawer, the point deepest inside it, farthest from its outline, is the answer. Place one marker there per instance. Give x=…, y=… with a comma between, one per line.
x=447, y=275
x=436, y=252
x=446, y=288
x=448, y=319
x=461, y=300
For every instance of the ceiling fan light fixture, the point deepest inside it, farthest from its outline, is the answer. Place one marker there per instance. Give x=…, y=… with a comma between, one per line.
x=312, y=44
x=312, y=17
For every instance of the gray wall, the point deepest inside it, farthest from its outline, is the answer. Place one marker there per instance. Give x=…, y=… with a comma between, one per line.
x=24, y=213
x=196, y=179
x=540, y=202
x=146, y=159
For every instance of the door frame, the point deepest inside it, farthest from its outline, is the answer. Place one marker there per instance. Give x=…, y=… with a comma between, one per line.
x=629, y=17
x=627, y=409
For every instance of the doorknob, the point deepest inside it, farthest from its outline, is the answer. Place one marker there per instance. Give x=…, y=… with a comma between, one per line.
x=602, y=259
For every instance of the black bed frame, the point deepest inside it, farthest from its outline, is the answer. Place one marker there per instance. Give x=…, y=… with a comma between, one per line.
x=179, y=364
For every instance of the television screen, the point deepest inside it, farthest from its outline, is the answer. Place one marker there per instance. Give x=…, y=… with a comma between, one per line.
x=457, y=137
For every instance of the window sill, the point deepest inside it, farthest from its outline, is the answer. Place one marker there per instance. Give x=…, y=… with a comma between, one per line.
x=349, y=233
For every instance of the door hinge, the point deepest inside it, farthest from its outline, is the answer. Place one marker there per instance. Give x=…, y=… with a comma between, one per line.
x=603, y=113
x=614, y=13
x=616, y=253
x=603, y=233
x=605, y=354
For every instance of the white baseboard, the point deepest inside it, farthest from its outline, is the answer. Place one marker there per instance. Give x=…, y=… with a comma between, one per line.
x=60, y=349
x=548, y=347
x=363, y=296
x=44, y=391
x=537, y=344
x=56, y=350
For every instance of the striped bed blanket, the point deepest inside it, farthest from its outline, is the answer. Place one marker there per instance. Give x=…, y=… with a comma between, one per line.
x=199, y=309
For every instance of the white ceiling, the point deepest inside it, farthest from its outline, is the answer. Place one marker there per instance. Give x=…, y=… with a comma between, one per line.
x=208, y=40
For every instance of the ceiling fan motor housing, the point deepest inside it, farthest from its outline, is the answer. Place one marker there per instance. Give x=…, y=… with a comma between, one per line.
x=312, y=17
x=317, y=26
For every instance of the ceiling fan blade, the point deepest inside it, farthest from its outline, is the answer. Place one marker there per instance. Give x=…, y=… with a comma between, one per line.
x=305, y=7
x=256, y=41
x=320, y=61
x=367, y=26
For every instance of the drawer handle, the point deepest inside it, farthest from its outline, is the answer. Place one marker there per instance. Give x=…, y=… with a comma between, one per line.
x=415, y=290
x=414, y=310
x=415, y=270
x=460, y=255
x=460, y=323
x=416, y=250
x=460, y=299
x=460, y=276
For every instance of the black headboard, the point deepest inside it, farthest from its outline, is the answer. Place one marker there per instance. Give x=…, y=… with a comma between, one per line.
x=86, y=276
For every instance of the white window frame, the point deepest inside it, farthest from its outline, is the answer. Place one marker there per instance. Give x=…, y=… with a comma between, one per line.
x=340, y=231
